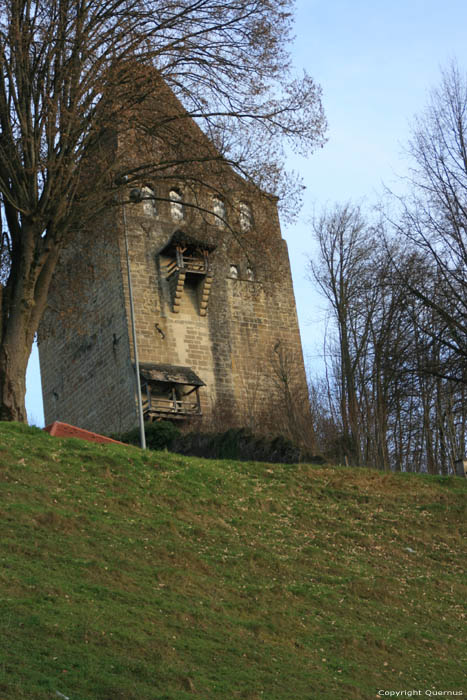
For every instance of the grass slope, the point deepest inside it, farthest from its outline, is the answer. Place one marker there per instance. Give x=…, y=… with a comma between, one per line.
x=129, y=575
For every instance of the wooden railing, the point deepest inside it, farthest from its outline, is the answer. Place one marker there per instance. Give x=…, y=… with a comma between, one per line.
x=189, y=263
x=193, y=264
x=169, y=406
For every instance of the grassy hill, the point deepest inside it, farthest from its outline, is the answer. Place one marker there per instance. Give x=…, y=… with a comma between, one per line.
x=149, y=576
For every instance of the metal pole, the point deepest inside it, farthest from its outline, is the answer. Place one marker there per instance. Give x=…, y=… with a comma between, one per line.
x=133, y=331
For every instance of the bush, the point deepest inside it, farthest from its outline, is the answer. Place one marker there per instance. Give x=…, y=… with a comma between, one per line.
x=159, y=435
x=235, y=443
x=239, y=443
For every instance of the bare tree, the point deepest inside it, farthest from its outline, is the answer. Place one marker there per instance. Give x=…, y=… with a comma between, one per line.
x=406, y=415
x=398, y=300
x=74, y=70
x=434, y=222
x=344, y=241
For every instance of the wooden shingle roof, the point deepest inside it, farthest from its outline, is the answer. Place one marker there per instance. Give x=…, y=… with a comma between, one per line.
x=169, y=373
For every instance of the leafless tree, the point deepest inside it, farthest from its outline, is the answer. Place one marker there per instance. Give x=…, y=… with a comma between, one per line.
x=72, y=71
x=396, y=383
x=384, y=401
x=344, y=241
x=434, y=222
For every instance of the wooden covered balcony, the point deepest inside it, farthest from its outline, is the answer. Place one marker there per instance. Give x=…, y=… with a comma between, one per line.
x=169, y=392
x=187, y=254
x=185, y=257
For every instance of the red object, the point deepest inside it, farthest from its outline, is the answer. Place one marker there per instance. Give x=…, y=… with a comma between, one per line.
x=63, y=430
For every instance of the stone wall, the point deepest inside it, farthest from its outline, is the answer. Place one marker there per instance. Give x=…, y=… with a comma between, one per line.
x=231, y=348
x=87, y=377
x=264, y=329
x=236, y=327
x=86, y=346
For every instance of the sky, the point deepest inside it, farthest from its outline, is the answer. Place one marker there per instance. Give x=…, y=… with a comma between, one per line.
x=376, y=61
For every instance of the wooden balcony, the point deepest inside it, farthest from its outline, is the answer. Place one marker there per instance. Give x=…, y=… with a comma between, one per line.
x=194, y=263
x=155, y=408
x=169, y=392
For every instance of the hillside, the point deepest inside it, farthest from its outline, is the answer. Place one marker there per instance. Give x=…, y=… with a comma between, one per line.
x=150, y=576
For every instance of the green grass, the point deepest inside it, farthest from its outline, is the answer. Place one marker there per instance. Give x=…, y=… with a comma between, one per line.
x=149, y=576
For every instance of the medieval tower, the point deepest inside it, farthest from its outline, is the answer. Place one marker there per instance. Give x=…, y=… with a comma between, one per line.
x=216, y=325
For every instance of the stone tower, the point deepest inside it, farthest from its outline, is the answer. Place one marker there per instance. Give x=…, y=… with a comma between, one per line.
x=215, y=315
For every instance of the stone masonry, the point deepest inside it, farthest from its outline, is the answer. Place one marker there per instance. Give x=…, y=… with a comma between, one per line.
x=232, y=323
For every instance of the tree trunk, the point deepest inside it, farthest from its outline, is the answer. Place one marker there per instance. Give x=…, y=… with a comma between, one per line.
x=13, y=366
x=22, y=303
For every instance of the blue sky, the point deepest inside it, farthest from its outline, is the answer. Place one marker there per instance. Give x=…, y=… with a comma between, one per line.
x=376, y=62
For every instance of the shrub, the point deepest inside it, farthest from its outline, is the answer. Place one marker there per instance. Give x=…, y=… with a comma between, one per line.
x=159, y=435
x=241, y=444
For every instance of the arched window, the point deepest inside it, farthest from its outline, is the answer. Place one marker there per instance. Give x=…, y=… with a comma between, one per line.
x=250, y=275
x=149, y=201
x=245, y=217
x=234, y=271
x=218, y=208
x=176, y=206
